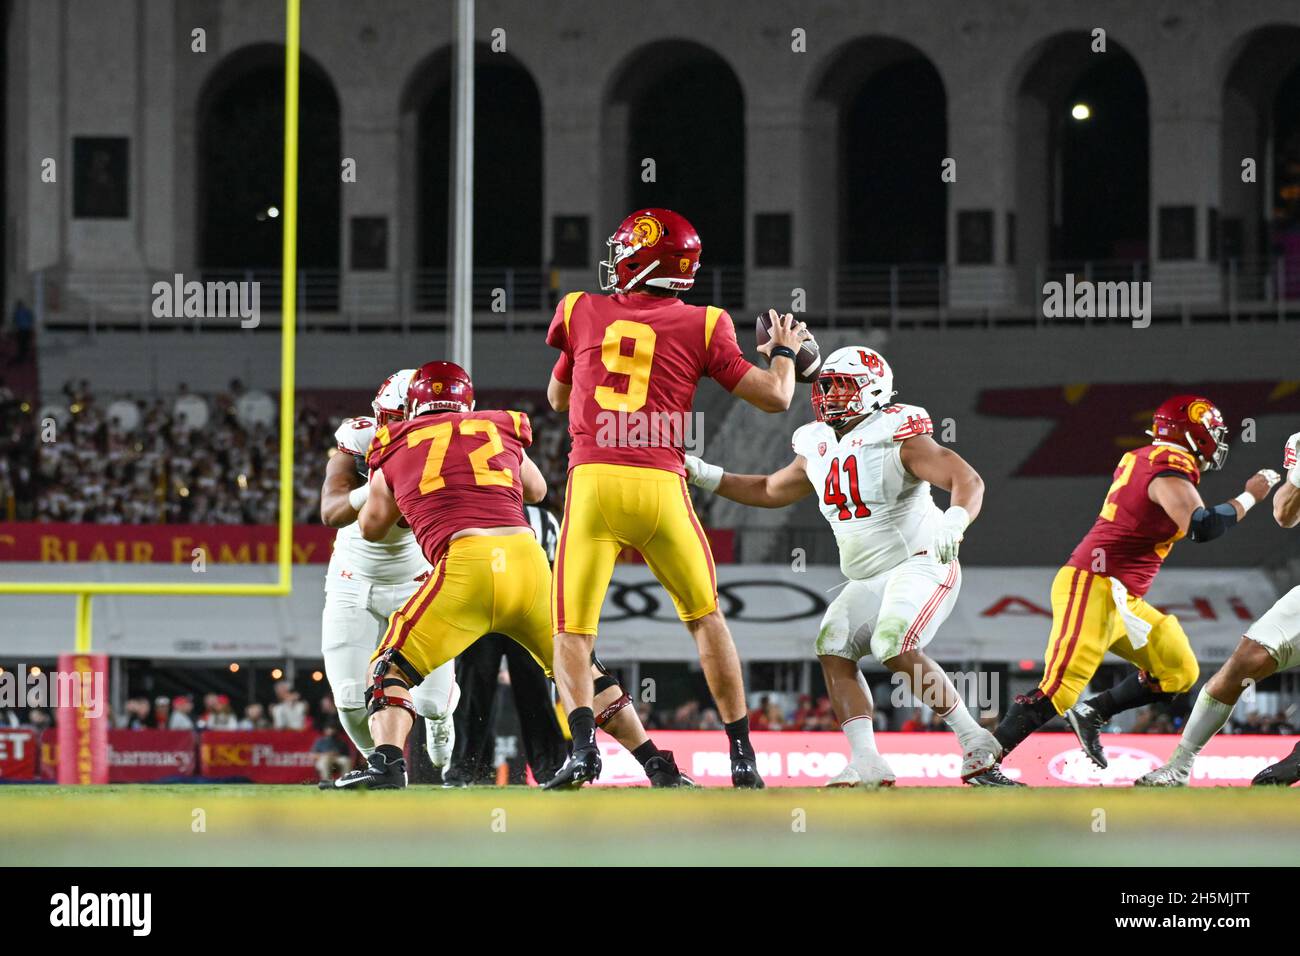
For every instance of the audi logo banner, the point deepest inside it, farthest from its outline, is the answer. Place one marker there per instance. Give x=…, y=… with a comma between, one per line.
x=1001, y=614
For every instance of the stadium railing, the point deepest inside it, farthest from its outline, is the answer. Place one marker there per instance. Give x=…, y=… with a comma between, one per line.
x=907, y=295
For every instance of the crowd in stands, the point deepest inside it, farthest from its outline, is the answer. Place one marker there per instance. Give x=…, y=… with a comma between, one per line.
x=289, y=711
x=85, y=466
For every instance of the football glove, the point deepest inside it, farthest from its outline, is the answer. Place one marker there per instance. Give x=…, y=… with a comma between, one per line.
x=948, y=535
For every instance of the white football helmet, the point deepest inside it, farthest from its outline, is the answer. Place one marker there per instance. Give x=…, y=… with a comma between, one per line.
x=854, y=382
x=390, y=401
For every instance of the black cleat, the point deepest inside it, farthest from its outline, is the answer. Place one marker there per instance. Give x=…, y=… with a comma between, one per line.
x=1281, y=774
x=662, y=771
x=744, y=774
x=993, y=777
x=1086, y=724
x=583, y=766
x=378, y=774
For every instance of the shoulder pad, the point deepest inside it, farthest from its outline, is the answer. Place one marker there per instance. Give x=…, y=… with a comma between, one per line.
x=910, y=421
x=803, y=438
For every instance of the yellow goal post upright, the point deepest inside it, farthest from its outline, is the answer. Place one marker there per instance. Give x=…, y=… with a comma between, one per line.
x=84, y=591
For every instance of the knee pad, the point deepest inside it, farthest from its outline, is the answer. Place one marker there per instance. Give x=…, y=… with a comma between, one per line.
x=608, y=713
x=604, y=682
x=380, y=681
x=350, y=695
x=887, y=639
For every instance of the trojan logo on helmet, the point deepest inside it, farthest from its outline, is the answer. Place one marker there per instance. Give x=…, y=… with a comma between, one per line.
x=439, y=387
x=645, y=250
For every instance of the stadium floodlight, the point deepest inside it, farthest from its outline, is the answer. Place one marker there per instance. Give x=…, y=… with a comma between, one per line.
x=1081, y=111
x=84, y=590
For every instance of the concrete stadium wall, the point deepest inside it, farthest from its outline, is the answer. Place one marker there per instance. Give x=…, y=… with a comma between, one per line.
x=126, y=67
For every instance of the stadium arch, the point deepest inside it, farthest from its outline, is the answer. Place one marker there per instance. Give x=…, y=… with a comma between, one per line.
x=508, y=183
x=681, y=104
x=878, y=130
x=239, y=169
x=1064, y=164
x=1260, y=82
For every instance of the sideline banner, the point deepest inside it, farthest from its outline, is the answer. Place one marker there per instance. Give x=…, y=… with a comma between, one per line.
x=18, y=748
x=807, y=759
x=263, y=756
x=134, y=756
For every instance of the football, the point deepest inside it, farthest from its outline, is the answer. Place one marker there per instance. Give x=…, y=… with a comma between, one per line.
x=807, y=363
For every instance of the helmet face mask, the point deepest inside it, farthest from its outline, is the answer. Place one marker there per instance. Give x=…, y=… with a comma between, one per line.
x=439, y=387
x=854, y=383
x=654, y=249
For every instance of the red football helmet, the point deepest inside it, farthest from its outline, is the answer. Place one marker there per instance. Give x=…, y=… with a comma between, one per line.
x=651, y=247
x=439, y=387
x=1195, y=423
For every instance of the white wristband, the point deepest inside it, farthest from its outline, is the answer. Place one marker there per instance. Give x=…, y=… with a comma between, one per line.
x=708, y=476
x=958, y=514
x=1293, y=476
x=357, y=496
x=1246, y=500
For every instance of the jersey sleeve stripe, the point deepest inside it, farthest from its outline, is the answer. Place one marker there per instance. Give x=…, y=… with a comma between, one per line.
x=913, y=428
x=711, y=315
x=514, y=417
x=570, y=301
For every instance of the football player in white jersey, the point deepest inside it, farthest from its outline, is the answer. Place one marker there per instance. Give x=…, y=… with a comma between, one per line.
x=368, y=581
x=871, y=464
x=1270, y=645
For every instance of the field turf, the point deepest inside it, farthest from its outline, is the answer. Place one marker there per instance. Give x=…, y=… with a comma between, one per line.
x=280, y=825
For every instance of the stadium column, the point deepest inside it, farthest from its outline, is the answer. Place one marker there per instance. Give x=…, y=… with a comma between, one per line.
x=42, y=129
x=575, y=155
x=981, y=145
x=371, y=138
x=1186, y=127
x=773, y=120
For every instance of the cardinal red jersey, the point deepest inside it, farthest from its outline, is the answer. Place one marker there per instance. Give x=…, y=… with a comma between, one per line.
x=1133, y=535
x=454, y=470
x=634, y=361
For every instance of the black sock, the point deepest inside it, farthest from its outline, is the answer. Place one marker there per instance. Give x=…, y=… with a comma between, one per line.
x=1136, y=690
x=645, y=752
x=738, y=734
x=1024, y=716
x=390, y=753
x=582, y=725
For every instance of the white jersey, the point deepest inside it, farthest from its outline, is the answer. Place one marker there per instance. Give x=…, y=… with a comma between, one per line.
x=395, y=559
x=881, y=514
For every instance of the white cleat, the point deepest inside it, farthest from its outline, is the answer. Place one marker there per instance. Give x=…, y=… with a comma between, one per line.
x=982, y=757
x=870, y=774
x=1166, y=776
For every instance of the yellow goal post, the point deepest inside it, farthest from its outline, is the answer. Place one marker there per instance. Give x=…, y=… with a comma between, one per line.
x=288, y=327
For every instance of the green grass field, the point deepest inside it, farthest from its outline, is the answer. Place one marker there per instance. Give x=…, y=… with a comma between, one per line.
x=281, y=825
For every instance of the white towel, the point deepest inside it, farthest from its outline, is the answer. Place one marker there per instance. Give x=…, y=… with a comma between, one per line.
x=1138, y=629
